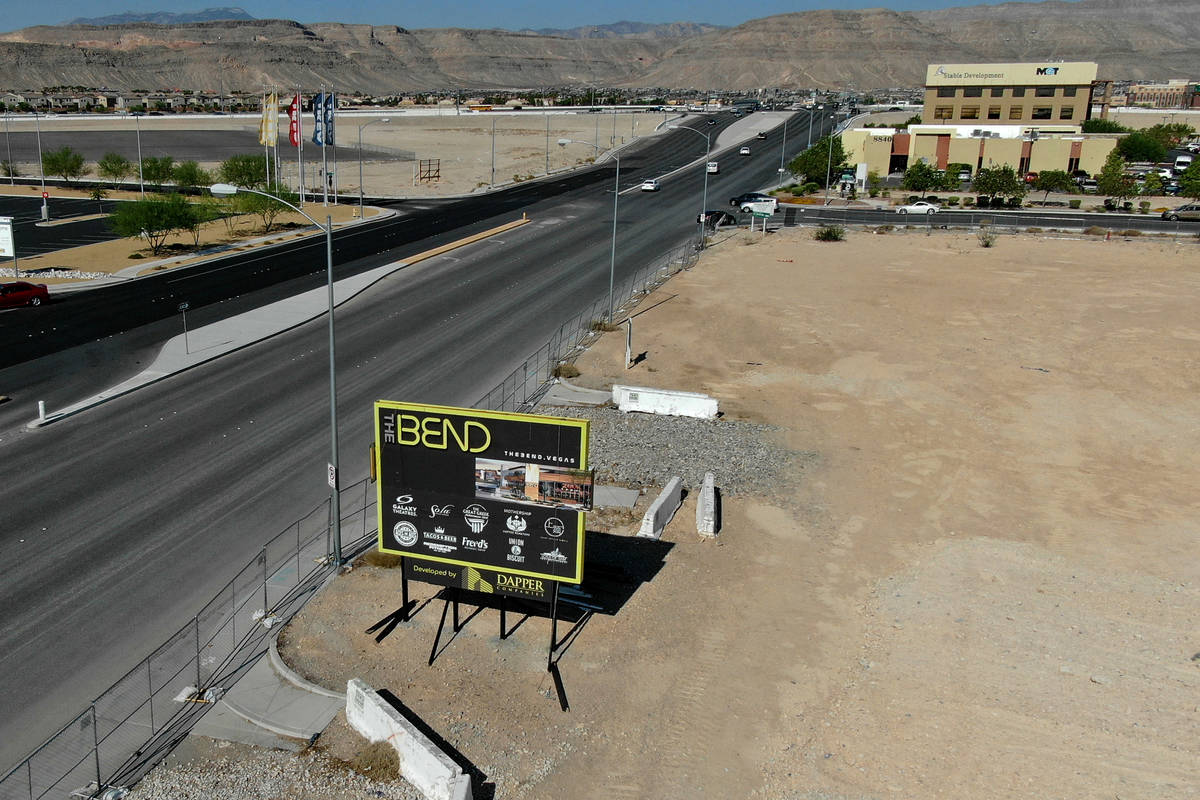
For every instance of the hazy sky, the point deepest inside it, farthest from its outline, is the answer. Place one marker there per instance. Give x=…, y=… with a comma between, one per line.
x=461, y=14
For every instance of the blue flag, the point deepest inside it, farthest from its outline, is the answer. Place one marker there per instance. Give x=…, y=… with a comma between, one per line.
x=330, y=106
x=318, y=119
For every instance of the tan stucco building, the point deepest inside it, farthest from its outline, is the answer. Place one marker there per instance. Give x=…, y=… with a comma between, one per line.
x=1026, y=116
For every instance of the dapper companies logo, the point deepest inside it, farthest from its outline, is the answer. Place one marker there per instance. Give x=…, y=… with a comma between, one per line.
x=554, y=527
x=476, y=517
x=403, y=506
x=405, y=534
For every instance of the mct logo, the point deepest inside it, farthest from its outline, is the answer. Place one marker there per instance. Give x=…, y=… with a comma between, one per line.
x=1047, y=70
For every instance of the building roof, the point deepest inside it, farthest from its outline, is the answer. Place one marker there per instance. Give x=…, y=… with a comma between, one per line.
x=1069, y=73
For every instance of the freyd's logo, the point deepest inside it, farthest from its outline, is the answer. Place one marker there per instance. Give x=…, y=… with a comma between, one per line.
x=475, y=544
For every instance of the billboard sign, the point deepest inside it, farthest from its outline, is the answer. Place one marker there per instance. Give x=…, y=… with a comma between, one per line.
x=7, y=248
x=502, y=493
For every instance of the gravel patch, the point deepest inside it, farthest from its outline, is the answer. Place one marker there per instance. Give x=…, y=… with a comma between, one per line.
x=646, y=450
x=253, y=773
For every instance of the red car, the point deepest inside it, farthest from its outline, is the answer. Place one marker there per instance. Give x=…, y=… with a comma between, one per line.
x=1030, y=177
x=20, y=293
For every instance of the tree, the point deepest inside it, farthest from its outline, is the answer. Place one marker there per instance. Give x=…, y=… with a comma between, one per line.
x=921, y=177
x=1189, y=181
x=65, y=163
x=157, y=171
x=1102, y=126
x=247, y=170
x=9, y=169
x=98, y=194
x=189, y=174
x=1152, y=185
x=999, y=182
x=154, y=219
x=192, y=216
x=1052, y=180
x=114, y=167
x=265, y=208
x=1113, y=180
x=817, y=161
x=1139, y=146
x=1171, y=134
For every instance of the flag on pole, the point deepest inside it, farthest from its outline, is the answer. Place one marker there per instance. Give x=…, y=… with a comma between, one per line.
x=268, y=128
x=330, y=108
x=294, y=121
x=319, y=119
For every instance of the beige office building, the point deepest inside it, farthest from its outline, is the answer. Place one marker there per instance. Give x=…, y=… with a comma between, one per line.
x=1009, y=94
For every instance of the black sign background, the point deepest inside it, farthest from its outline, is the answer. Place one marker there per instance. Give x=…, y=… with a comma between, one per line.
x=428, y=505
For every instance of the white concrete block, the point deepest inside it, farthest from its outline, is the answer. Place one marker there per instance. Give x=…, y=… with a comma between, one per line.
x=664, y=401
x=422, y=763
x=662, y=509
x=706, y=506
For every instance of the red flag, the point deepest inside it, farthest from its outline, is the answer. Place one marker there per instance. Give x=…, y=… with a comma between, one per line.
x=294, y=124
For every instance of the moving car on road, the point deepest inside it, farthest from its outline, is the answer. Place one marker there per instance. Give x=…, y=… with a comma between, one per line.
x=745, y=151
x=650, y=185
x=716, y=218
x=919, y=207
x=748, y=197
x=760, y=135
x=1186, y=211
x=21, y=293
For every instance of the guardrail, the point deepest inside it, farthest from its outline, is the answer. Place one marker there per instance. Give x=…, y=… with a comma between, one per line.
x=124, y=732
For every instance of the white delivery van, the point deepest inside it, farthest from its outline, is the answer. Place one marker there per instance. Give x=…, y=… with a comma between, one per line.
x=713, y=167
x=1183, y=162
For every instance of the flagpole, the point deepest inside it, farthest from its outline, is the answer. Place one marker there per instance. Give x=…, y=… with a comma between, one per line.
x=333, y=137
x=324, y=155
x=300, y=143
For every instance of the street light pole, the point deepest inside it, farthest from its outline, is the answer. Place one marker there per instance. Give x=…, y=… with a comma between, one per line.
x=783, y=148
x=493, y=181
x=11, y=176
x=704, y=192
x=41, y=165
x=360, y=162
x=228, y=190
x=137, y=121
x=829, y=161
x=612, y=259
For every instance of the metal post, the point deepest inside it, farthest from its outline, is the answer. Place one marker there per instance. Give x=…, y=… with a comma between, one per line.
x=137, y=123
x=829, y=163
x=41, y=166
x=196, y=621
x=11, y=178
x=783, y=150
x=96, y=748
x=553, y=629
x=493, y=181
x=333, y=423
x=183, y=307
x=612, y=262
x=547, y=143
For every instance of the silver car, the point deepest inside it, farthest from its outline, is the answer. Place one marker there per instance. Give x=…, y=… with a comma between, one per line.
x=1186, y=211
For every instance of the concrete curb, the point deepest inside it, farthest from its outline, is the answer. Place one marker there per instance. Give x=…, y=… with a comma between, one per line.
x=292, y=677
x=706, y=508
x=662, y=510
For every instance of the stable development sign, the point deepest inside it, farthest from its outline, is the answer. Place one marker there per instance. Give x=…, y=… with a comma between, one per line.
x=503, y=494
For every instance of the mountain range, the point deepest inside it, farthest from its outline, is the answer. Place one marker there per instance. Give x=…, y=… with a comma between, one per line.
x=164, y=17
x=860, y=49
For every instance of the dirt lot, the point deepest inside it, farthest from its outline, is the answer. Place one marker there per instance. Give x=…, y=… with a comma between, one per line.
x=984, y=583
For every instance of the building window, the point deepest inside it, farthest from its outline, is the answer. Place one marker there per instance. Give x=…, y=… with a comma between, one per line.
x=972, y=91
x=997, y=91
x=1044, y=91
x=943, y=112
x=1018, y=91
x=945, y=91
x=993, y=112
x=1069, y=91
x=1042, y=112
x=1066, y=112
x=1016, y=112
x=969, y=112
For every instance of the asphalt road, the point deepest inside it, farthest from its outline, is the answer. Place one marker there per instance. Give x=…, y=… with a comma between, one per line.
x=122, y=521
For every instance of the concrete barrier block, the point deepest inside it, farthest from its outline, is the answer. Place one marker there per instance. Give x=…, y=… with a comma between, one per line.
x=664, y=401
x=662, y=509
x=422, y=763
x=706, y=506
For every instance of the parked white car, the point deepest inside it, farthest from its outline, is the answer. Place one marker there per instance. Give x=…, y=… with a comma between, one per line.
x=919, y=207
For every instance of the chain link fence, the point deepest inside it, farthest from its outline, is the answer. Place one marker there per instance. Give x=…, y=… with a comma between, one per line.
x=137, y=720
x=522, y=389
x=123, y=733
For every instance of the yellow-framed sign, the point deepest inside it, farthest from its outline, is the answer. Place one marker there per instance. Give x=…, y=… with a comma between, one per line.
x=501, y=491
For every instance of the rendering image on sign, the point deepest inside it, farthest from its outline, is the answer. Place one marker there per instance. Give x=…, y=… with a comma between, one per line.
x=503, y=493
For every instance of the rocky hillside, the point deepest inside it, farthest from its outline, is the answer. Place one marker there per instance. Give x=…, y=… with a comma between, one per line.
x=863, y=49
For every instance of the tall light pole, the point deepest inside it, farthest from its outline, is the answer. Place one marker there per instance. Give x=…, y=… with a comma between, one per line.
x=228, y=190
x=829, y=160
x=11, y=177
x=137, y=121
x=360, y=171
x=783, y=149
x=704, y=193
x=493, y=181
x=612, y=260
x=41, y=165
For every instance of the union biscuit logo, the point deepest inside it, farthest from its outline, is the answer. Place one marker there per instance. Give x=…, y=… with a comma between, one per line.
x=405, y=534
x=476, y=517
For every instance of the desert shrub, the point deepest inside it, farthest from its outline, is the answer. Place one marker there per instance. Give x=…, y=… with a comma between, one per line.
x=566, y=371
x=968, y=202
x=1075, y=202
x=830, y=233
x=1131, y=232
x=873, y=192
x=1095, y=230
x=1033, y=230
x=952, y=200
x=986, y=237
x=810, y=187
x=886, y=193
x=1144, y=207
x=885, y=228
x=605, y=327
